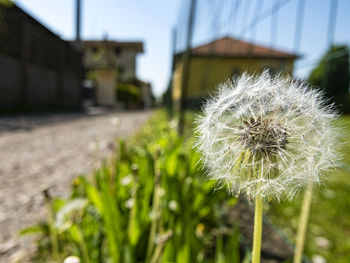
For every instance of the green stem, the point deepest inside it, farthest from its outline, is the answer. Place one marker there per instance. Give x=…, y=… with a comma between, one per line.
x=52, y=229
x=305, y=211
x=83, y=247
x=257, y=230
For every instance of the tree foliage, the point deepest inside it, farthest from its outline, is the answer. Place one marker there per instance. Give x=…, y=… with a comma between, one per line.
x=332, y=75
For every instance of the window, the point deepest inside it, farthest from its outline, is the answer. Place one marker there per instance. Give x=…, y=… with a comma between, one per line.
x=117, y=51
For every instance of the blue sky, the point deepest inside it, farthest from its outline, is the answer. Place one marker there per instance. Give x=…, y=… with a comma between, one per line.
x=151, y=21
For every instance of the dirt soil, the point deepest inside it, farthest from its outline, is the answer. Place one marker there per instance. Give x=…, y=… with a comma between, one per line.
x=42, y=152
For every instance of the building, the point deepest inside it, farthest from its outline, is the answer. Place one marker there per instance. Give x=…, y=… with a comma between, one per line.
x=222, y=59
x=38, y=70
x=112, y=65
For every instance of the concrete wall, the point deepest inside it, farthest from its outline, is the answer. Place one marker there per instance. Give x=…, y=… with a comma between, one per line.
x=37, y=68
x=9, y=80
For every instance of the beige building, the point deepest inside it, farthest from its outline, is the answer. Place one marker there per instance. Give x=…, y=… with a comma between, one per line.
x=109, y=62
x=222, y=59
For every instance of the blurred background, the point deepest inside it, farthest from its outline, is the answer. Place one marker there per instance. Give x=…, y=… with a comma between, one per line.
x=77, y=74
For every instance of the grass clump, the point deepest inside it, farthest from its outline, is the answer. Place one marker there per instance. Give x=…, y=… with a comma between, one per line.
x=149, y=203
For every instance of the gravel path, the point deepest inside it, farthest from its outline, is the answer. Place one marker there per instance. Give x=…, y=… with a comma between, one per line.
x=47, y=152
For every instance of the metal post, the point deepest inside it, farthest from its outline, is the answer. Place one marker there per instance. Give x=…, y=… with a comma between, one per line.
x=186, y=68
x=77, y=25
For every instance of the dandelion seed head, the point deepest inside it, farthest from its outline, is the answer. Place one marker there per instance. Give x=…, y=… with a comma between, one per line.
x=267, y=136
x=68, y=211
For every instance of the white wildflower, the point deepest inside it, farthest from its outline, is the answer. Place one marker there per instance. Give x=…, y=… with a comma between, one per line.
x=318, y=259
x=267, y=136
x=126, y=180
x=322, y=242
x=172, y=205
x=129, y=203
x=71, y=259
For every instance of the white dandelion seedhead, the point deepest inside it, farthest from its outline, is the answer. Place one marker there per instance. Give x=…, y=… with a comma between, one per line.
x=267, y=136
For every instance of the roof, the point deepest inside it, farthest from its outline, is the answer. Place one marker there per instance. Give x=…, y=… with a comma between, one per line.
x=138, y=45
x=230, y=47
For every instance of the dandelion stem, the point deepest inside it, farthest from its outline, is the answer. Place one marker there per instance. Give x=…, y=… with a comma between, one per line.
x=257, y=229
x=305, y=211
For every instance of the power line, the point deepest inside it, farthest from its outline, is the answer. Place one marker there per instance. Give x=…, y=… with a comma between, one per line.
x=299, y=25
x=332, y=21
x=258, y=7
x=274, y=24
x=260, y=17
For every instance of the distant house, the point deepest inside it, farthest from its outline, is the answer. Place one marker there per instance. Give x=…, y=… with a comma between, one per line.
x=112, y=64
x=38, y=70
x=224, y=58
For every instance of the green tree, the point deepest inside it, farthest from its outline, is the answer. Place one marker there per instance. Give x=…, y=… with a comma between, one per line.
x=332, y=75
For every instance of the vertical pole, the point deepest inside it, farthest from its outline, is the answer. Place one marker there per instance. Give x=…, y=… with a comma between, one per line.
x=173, y=62
x=186, y=68
x=77, y=24
x=349, y=69
x=330, y=38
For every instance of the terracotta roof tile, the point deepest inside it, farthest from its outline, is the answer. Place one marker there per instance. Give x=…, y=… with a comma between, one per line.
x=228, y=46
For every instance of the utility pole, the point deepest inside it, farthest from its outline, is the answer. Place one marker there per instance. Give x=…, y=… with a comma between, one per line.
x=77, y=43
x=169, y=99
x=186, y=68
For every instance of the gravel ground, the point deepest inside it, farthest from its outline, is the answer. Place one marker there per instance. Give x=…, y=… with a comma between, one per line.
x=46, y=152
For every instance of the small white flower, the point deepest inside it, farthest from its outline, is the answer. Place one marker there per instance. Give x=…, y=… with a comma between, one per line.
x=318, y=259
x=267, y=136
x=71, y=259
x=129, y=203
x=322, y=242
x=172, y=205
x=126, y=180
